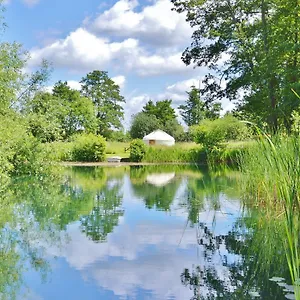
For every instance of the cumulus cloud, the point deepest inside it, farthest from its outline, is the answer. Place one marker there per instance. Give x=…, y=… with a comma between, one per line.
x=153, y=65
x=119, y=80
x=155, y=24
x=82, y=50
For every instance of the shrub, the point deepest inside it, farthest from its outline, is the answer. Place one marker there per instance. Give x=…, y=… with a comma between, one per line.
x=210, y=134
x=59, y=151
x=137, y=150
x=89, y=147
x=213, y=134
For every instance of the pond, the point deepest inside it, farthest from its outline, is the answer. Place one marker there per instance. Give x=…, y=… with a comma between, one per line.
x=137, y=232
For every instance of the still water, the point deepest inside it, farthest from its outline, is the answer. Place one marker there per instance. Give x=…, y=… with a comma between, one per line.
x=137, y=233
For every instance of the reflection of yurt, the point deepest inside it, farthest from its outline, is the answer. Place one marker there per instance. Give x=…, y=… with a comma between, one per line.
x=160, y=179
x=159, y=137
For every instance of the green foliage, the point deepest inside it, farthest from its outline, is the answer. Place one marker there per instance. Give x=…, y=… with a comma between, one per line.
x=162, y=110
x=163, y=154
x=59, y=151
x=295, y=119
x=272, y=178
x=137, y=150
x=105, y=94
x=11, y=75
x=262, y=55
x=213, y=134
x=195, y=110
x=143, y=124
x=119, y=136
x=89, y=147
x=56, y=116
x=20, y=153
x=79, y=111
x=210, y=134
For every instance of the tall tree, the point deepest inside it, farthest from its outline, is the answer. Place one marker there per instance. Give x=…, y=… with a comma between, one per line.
x=162, y=110
x=260, y=41
x=105, y=94
x=195, y=110
x=80, y=110
x=143, y=124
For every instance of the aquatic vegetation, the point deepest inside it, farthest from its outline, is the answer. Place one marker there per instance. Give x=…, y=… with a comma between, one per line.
x=271, y=178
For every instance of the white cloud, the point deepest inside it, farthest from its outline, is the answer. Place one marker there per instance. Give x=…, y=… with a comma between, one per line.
x=82, y=50
x=119, y=80
x=153, y=65
x=155, y=24
x=75, y=85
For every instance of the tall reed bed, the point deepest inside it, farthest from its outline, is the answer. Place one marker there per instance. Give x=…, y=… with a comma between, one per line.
x=271, y=170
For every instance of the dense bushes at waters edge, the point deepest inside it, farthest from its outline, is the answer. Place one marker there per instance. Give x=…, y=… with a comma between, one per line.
x=83, y=147
x=139, y=152
x=20, y=152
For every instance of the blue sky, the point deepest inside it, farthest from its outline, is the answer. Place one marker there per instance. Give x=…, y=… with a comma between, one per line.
x=139, y=43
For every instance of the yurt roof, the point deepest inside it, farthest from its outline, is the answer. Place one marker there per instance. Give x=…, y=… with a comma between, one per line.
x=158, y=135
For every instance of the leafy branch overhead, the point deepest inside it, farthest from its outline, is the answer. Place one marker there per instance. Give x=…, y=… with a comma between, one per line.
x=252, y=49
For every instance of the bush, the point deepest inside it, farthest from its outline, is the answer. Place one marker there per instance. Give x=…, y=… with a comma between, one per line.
x=89, y=147
x=137, y=150
x=59, y=151
x=213, y=134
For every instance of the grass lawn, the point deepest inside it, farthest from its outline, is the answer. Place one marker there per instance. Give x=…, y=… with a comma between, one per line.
x=239, y=144
x=118, y=148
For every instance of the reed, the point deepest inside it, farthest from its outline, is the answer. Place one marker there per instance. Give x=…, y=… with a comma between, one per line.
x=271, y=179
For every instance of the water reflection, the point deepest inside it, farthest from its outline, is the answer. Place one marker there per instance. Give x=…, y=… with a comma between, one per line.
x=136, y=233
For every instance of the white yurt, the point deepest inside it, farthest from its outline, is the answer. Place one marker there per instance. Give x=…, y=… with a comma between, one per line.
x=159, y=137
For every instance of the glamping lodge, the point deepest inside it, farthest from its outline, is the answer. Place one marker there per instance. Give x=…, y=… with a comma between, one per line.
x=159, y=137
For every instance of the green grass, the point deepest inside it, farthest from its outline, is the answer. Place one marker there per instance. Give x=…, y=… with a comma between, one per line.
x=117, y=149
x=271, y=178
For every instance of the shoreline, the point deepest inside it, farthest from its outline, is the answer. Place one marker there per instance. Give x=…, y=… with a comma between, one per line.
x=117, y=164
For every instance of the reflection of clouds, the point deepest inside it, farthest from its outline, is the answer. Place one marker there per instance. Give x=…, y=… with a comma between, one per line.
x=125, y=262
x=149, y=250
x=126, y=242
x=157, y=273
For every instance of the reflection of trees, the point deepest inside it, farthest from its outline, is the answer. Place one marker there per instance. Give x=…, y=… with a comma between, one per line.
x=33, y=213
x=258, y=256
x=204, y=193
x=105, y=214
x=160, y=197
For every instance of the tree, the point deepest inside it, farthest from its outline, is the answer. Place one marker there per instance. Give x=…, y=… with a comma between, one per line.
x=195, y=110
x=11, y=76
x=173, y=128
x=80, y=110
x=260, y=41
x=45, y=115
x=143, y=124
x=105, y=94
x=162, y=110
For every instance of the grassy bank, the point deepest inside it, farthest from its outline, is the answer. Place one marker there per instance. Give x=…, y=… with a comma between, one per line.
x=180, y=153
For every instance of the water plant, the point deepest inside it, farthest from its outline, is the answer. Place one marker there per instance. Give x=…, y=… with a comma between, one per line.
x=271, y=170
